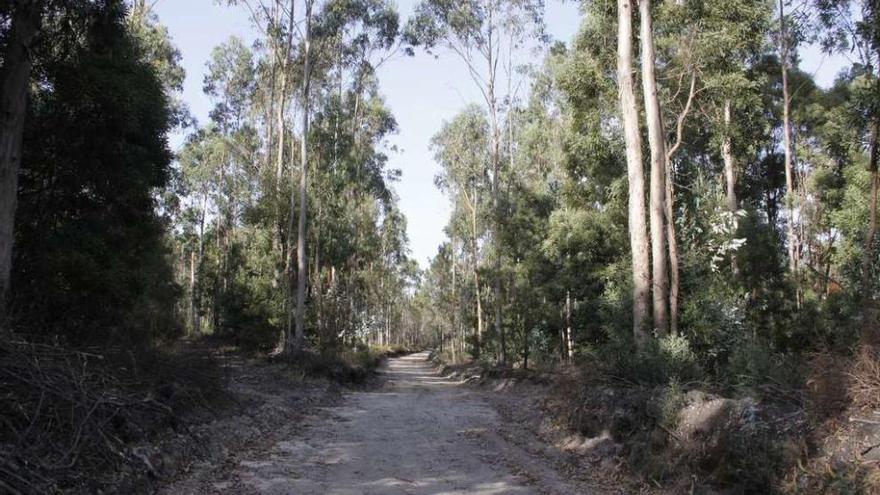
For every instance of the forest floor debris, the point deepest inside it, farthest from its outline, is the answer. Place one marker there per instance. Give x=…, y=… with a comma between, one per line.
x=99, y=420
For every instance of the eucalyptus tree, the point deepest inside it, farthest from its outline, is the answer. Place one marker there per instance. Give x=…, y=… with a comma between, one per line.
x=158, y=50
x=854, y=26
x=657, y=144
x=200, y=160
x=785, y=57
x=484, y=35
x=378, y=26
x=356, y=38
x=638, y=226
x=706, y=55
x=461, y=148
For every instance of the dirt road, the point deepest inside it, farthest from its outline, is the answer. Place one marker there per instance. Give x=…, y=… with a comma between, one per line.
x=417, y=434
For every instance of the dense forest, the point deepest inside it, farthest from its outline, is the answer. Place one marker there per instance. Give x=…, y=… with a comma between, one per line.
x=667, y=201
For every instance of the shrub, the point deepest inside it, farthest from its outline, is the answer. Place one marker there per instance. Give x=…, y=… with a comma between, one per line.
x=665, y=359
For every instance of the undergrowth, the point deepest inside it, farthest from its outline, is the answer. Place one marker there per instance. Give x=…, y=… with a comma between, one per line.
x=71, y=414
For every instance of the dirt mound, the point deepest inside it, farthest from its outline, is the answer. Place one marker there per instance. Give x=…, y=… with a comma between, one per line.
x=653, y=439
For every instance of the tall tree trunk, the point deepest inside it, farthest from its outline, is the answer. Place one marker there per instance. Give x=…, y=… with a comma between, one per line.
x=479, y=306
x=672, y=244
x=786, y=142
x=526, y=344
x=638, y=227
x=193, y=314
x=454, y=301
x=197, y=300
x=729, y=176
x=569, y=339
x=495, y=157
x=277, y=238
x=476, y=258
x=277, y=53
x=303, y=193
x=14, y=81
x=657, y=142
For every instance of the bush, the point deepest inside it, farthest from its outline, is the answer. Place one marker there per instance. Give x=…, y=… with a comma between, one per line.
x=669, y=403
x=662, y=361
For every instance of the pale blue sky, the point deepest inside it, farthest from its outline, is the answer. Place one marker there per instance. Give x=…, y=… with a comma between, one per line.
x=421, y=91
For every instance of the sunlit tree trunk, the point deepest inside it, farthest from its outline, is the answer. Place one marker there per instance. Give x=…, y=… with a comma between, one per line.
x=473, y=204
x=281, y=53
x=197, y=301
x=638, y=227
x=729, y=174
x=14, y=81
x=479, y=306
x=301, y=266
x=657, y=143
x=786, y=142
x=495, y=157
x=454, y=308
x=277, y=238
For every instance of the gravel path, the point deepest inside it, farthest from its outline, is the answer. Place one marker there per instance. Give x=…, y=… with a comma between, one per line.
x=417, y=434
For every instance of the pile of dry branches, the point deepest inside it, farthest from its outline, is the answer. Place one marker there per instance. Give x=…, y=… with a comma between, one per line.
x=67, y=415
x=864, y=383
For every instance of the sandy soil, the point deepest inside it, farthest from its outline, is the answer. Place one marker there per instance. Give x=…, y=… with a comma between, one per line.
x=418, y=433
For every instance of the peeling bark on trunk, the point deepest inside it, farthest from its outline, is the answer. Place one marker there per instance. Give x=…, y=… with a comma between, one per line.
x=14, y=82
x=635, y=174
x=656, y=140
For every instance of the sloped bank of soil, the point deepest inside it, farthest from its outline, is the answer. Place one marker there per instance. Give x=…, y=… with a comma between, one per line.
x=627, y=438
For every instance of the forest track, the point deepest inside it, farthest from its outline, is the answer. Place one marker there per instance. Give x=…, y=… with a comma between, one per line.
x=417, y=433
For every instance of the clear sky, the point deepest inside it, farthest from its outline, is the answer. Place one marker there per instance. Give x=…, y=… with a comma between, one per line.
x=422, y=92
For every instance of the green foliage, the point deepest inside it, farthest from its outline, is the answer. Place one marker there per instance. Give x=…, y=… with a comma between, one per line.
x=91, y=260
x=669, y=403
x=666, y=360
